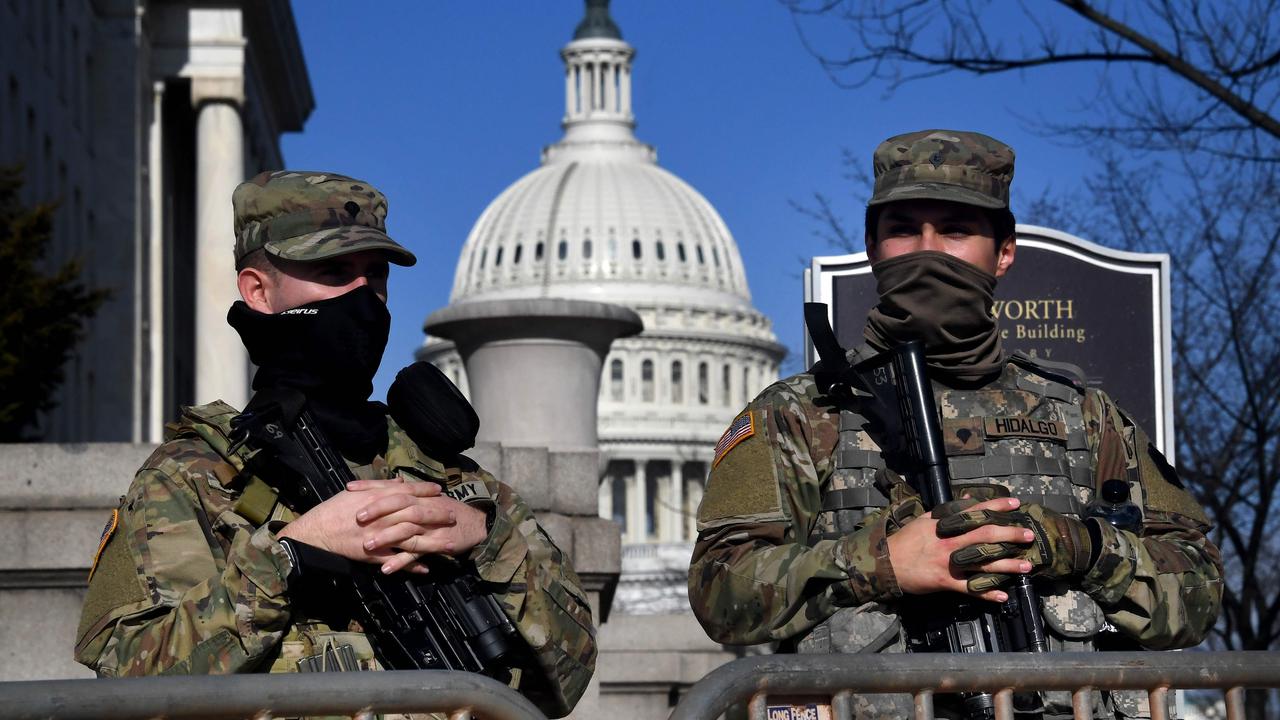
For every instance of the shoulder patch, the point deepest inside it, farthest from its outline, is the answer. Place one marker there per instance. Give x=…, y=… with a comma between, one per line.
x=742, y=427
x=1164, y=490
x=743, y=484
x=108, y=530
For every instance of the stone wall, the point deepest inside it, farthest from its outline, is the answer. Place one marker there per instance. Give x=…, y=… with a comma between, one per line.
x=54, y=503
x=55, y=500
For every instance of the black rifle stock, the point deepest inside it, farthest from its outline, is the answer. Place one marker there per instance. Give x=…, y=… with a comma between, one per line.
x=911, y=435
x=443, y=621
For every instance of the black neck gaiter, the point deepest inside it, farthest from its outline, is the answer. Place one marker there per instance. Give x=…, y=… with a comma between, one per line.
x=944, y=302
x=329, y=351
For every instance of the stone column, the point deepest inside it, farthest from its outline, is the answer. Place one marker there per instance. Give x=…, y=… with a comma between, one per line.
x=625, y=86
x=610, y=88
x=677, y=501
x=533, y=367
x=695, y=488
x=605, y=501
x=222, y=365
x=153, y=425
x=637, y=527
x=569, y=90
x=542, y=356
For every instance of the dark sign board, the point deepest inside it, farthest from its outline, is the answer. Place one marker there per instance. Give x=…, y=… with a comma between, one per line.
x=1065, y=299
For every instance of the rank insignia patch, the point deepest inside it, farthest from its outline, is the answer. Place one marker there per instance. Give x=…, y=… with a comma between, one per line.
x=112, y=523
x=742, y=427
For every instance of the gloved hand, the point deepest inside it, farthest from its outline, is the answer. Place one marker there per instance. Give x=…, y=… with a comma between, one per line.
x=904, y=502
x=1063, y=546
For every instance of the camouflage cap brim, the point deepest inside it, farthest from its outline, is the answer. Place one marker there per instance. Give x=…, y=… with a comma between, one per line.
x=333, y=242
x=935, y=191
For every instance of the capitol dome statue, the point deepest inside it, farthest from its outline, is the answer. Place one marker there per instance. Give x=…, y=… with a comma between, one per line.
x=600, y=220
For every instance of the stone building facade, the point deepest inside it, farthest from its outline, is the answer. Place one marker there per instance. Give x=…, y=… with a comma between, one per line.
x=138, y=118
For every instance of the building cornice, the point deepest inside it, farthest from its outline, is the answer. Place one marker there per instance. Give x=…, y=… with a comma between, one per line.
x=277, y=51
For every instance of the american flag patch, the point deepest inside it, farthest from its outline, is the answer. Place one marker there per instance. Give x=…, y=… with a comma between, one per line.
x=112, y=523
x=743, y=427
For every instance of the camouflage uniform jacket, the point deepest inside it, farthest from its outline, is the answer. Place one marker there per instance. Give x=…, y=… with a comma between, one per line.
x=184, y=583
x=771, y=564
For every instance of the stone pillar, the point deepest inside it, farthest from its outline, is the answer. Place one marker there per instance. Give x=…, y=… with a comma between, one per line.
x=610, y=88
x=533, y=367
x=625, y=86
x=569, y=90
x=540, y=356
x=694, y=489
x=222, y=364
x=637, y=525
x=677, y=502
x=152, y=386
x=605, y=500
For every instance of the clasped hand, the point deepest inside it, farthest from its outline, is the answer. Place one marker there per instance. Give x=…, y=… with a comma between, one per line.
x=390, y=522
x=974, y=547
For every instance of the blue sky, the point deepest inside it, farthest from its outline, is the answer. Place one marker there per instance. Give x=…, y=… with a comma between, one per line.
x=443, y=104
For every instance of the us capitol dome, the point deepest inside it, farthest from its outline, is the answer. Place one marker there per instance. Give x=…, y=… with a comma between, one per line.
x=601, y=220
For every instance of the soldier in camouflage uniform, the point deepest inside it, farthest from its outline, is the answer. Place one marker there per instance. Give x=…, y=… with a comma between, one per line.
x=806, y=537
x=191, y=575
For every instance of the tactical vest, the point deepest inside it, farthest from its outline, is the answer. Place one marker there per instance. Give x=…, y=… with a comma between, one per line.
x=308, y=645
x=1026, y=432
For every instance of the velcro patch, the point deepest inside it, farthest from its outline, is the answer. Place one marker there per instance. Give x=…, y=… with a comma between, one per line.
x=107, y=531
x=963, y=436
x=742, y=427
x=469, y=492
x=1022, y=426
x=743, y=485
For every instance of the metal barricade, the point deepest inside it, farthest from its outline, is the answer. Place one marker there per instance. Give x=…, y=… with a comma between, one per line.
x=755, y=680
x=359, y=694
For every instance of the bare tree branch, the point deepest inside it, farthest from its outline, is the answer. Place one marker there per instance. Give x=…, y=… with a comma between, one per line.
x=1224, y=61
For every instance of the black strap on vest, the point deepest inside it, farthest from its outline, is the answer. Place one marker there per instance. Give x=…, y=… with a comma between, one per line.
x=835, y=364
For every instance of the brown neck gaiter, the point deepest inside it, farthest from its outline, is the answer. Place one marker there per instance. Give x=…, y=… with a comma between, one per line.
x=943, y=301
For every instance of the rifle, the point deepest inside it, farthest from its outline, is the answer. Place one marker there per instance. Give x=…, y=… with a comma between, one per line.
x=445, y=621
x=902, y=403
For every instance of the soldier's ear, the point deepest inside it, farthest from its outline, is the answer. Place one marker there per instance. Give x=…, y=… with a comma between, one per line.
x=1004, y=255
x=255, y=288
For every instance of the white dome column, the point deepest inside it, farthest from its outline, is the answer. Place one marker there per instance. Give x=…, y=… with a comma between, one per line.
x=598, y=89
x=624, y=85
x=675, y=509
x=637, y=528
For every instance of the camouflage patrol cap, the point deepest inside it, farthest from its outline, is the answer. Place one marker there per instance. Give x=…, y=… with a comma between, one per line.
x=963, y=167
x=301, y=215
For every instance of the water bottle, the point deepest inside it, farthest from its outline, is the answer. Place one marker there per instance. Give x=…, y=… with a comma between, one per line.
x=1113, y=505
